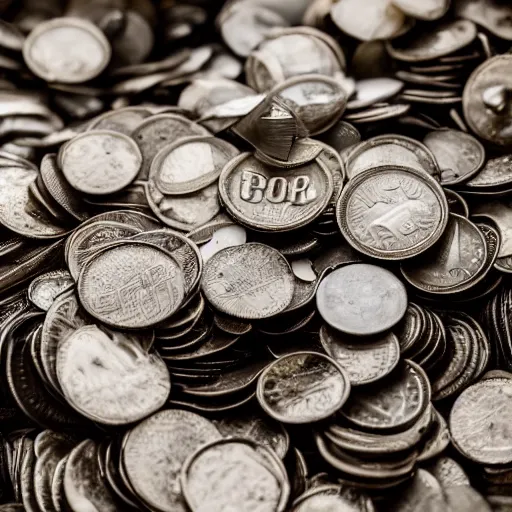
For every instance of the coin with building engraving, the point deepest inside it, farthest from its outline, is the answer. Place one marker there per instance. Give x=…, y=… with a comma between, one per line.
x=361, y=299
x=131, y=285
x=269, y=199
x=303, y=387
x=250, y=281
x=392, y=212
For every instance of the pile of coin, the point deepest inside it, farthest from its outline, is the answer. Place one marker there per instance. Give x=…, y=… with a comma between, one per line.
x=255, y=255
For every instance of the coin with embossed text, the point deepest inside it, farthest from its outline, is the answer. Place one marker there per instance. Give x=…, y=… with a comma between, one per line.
x=303, y=387
x=131, y=285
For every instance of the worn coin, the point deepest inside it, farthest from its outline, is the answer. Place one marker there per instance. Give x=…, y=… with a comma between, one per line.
x=392, y=212
x=361, y=299
x=43, y=289
x=250, y=281
x=122, y=120
x=303, y=387
x=492, y=15
x=132, y=285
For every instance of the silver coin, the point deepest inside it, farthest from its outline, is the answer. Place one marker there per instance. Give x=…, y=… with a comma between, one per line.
x=100, y=162
x=67, y=50
x=43, y=289
x=494, y=16
x=122, y=120
x=302, y=387
x=361, y=299
x=250, y=281
x=131, y=285
x=493, y=174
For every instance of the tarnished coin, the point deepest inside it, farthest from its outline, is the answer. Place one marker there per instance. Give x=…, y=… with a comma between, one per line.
x=394, y=403
x=190, y=164
x=364, y=361
x=43, y=289
x=100, y=162
x=155, y=450
x=67, y=50
x=235, y=474
x=269, y=199
x=424, y=494
x=110, y=377
x=122, y=120
x=459, y=155
x=493, y=174
x=480, y=422
x=303, y=387
x=392, y=212
x=361, y=299
x=132, y=285
x=250, y=281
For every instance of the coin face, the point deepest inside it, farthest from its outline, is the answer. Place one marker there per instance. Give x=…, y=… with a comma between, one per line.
x=123, y=120
x=269, y=199
x=235, y=474
x=493, y=174
x=155, y=450
x=43, y=289
x=109, y=377
x=68, y=50
x=392, y=212
x=302, y=387
x=364, y=361
x=250, y=281
x=132, y=285
x=480, y=422
x=100, y=162
x=361, y=299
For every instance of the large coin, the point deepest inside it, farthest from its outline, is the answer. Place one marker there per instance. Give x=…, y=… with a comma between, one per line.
x=303, y=387
x=480, y=422
x=155, y=450
x=269, y=199
x=131, y=285
x=249, y=281
x=361, y=299
x=392, y=212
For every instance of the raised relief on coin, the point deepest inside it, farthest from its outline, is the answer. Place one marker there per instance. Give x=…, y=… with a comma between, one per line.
x=271, y=199
x=100, y=162
x=480, y=422
x=131, y=285
x=235, y=474
x=361, y=299
x=500, y=212
x=155, y=450
x=302, y=387
x=457, y=258
x=364, y=361
x=494, y=173
x=392, y=212
x=109, y=377
x=43, y=289
x=250, y=281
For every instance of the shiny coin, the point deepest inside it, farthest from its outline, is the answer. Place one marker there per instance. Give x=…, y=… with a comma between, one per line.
x=43, y=289
x=459, y=155
x=251, y=281
x=361, y=299
x=493, y=174
x=100, y=162
x=132, y=285
x=235, y=474
x=268, y=199
x=492, y=15
x=428, y=10
x=303, y=387
x=109, y=377
x=364, y=361
x=373, y=90
x=155, y=450
x=67, y=50
x=392, y=212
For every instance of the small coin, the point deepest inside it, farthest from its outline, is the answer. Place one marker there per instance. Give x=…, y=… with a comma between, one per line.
x=100, y=162
x=131, y=285
x=392, y=212
x=493, y=174
x=429, y=10
x=492, y=15
x=250, y=281
x=374, y=90
x=302, y=387
x=234, y=474
x=155, y=450
x=122, y=120
x=43, y=289
x=361, y=299
x=67, y=50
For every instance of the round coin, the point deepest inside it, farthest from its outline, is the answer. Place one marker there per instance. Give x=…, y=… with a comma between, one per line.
x=44, y=288
x=392, y=212
x=302, y=387
x=100, y=162
x=361, y=299
x=249, y=281
x=67, y=50
x=131, y=285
